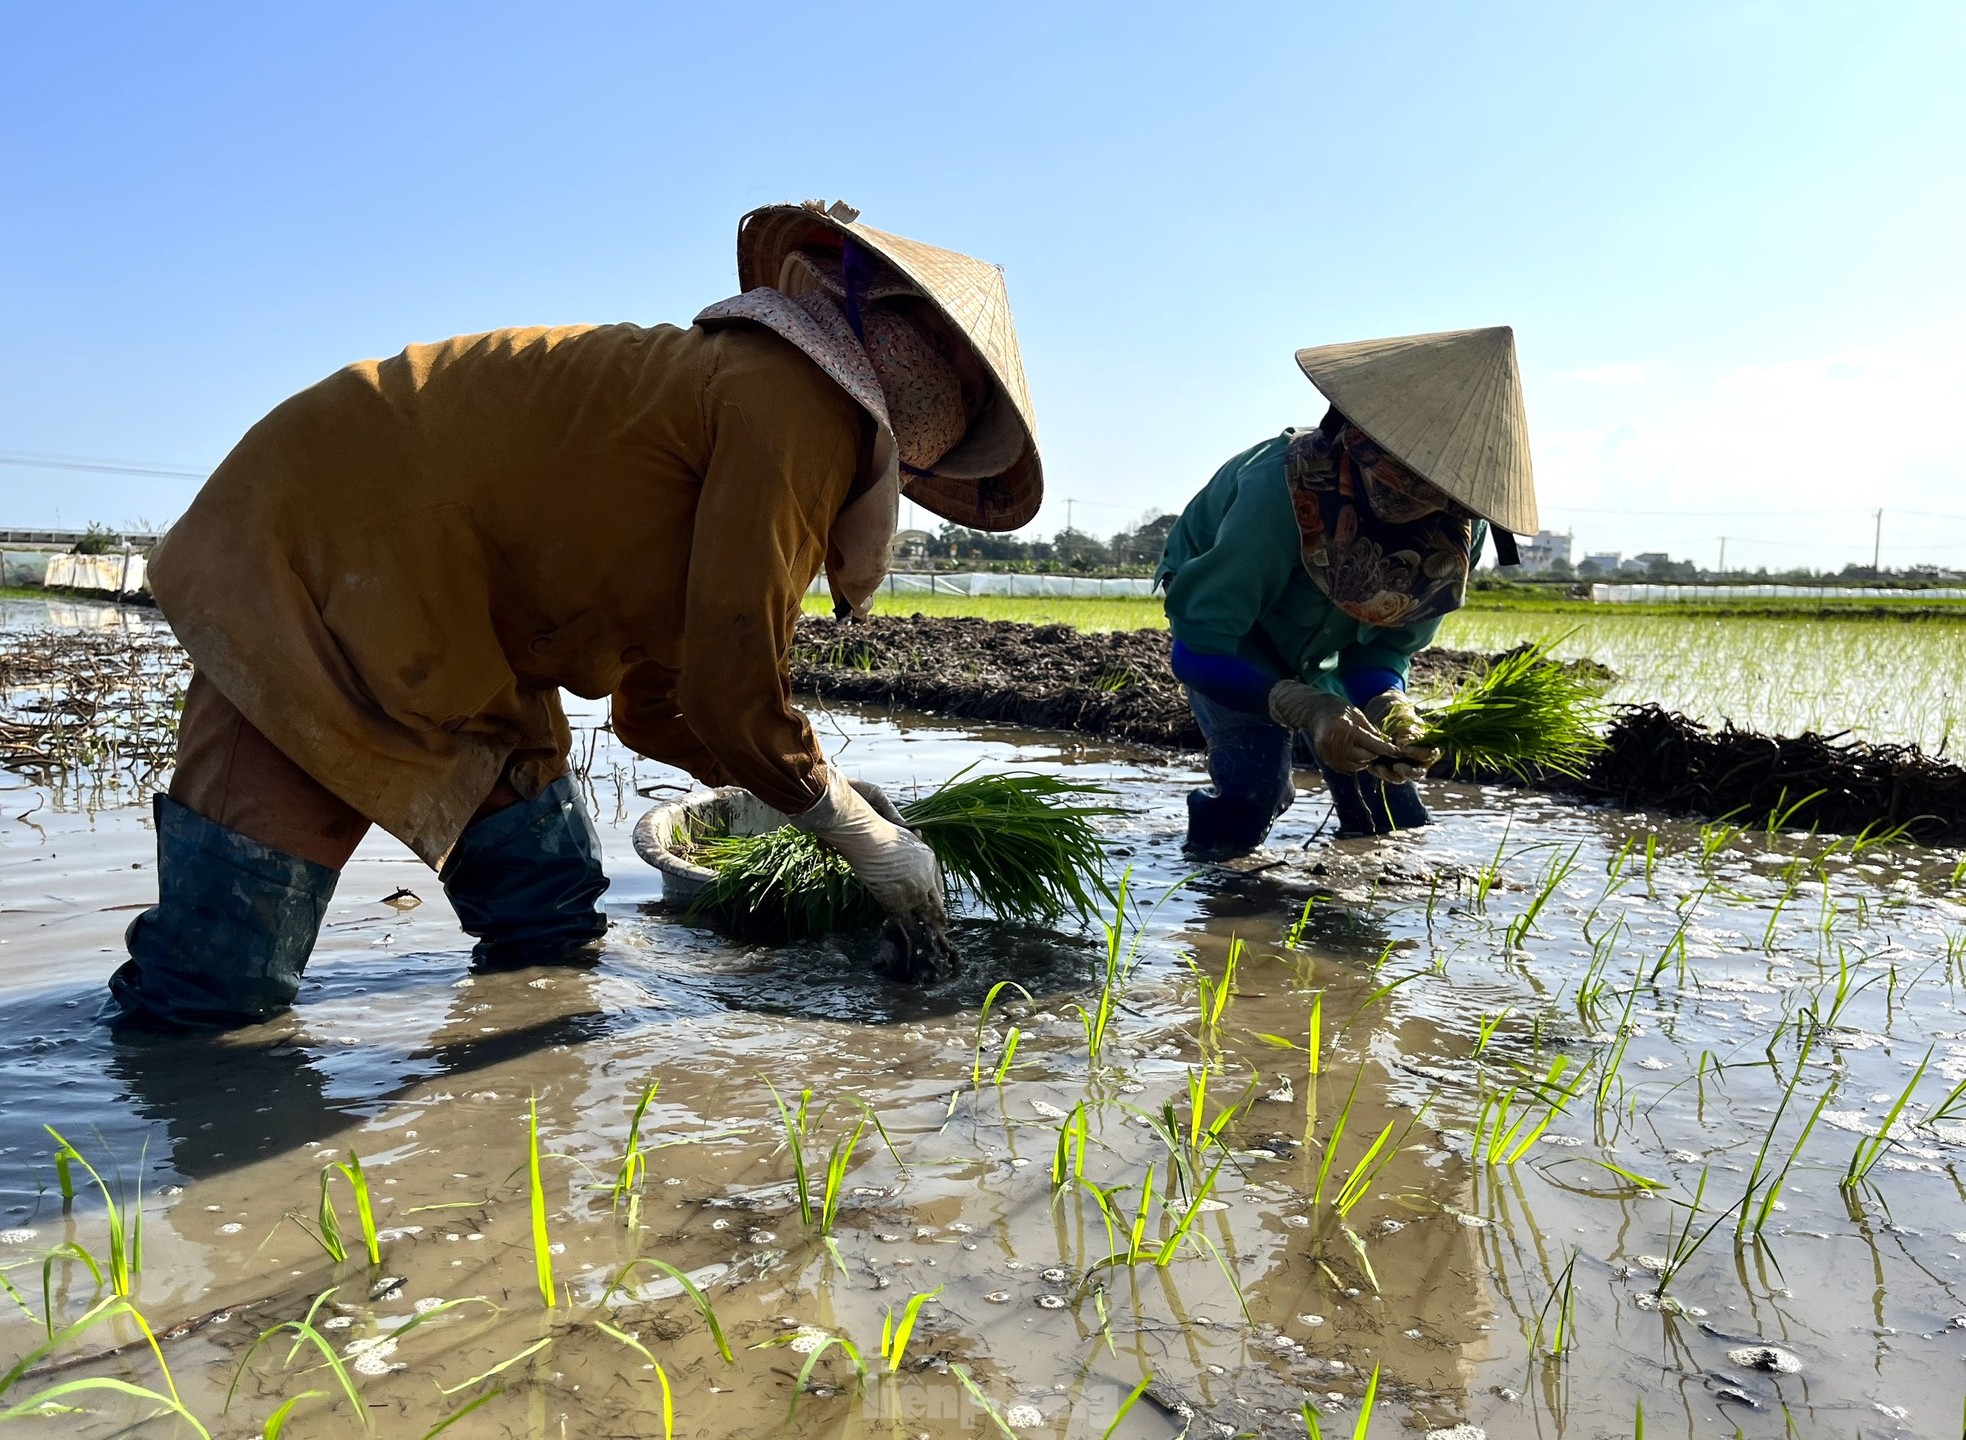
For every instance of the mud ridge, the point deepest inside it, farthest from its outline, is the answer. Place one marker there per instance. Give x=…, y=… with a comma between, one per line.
x=1120, y=685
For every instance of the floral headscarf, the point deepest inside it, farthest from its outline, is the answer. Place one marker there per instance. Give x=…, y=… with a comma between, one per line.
x=1387, y=547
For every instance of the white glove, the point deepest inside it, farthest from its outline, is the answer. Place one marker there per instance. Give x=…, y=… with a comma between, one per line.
x=1340, y=734
x=1400, y=723
x=889, y=858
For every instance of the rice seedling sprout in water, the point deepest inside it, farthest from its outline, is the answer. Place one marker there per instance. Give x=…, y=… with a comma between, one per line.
x=542, y=1245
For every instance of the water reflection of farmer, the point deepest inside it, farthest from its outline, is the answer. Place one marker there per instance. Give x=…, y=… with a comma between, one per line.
x=386, y=584
x=1303, y=579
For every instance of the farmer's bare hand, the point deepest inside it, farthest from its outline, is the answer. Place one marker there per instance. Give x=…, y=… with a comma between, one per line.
x=1400, y=723
x=895, y=866
x=1340, y=734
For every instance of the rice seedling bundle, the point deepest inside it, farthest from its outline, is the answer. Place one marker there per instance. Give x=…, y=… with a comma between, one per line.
x=1525, y=714
x=1025, y=846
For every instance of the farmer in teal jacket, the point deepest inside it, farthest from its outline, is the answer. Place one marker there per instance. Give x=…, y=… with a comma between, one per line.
x=1305, y=576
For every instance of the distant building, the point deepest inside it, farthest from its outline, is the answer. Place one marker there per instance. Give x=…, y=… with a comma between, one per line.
x=1642, y=564
x=1544, y=550
x=910, y=546
x=1604, y=563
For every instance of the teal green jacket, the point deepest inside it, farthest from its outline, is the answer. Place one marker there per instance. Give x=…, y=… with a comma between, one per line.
x=1236, y=584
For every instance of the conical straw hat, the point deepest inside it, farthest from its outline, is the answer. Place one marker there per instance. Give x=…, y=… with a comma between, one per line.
x=992, y=479
x=1448, y=405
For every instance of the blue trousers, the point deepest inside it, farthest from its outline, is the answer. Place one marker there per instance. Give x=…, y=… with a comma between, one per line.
x=1249, y=762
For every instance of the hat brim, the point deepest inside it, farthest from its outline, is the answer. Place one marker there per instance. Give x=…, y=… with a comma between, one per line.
x=993, y=478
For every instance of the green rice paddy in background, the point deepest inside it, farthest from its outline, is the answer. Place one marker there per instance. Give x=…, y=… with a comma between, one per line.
x=1878, y=677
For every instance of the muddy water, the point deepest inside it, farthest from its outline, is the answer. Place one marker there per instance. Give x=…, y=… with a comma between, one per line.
x=1716, y=958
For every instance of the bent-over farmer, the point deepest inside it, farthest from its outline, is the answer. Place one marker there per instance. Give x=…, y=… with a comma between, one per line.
x=1302, y=580
x=387, y=582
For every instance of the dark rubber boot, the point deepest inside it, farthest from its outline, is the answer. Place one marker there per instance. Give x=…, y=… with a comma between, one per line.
x=1366, y=806
x=229, y=936
x=1250, y=765
x=525, y=881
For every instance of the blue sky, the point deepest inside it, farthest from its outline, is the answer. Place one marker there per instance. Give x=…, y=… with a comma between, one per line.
x=1728, y=234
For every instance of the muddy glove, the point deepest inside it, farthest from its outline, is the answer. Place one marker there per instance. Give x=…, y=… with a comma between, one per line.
x=1342, y=737
x=890, y=861
x=1400, y=723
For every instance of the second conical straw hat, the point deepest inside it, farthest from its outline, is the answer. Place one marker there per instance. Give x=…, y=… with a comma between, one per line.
x=993, y=478
x=1449, y=405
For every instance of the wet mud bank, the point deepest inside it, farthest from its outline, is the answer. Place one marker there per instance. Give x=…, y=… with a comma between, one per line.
x=1120, y=685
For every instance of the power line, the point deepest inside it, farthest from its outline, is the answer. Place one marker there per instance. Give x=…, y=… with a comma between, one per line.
x=105, y=467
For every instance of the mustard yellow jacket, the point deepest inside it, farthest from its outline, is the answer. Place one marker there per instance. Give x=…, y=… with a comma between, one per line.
x=396, y=570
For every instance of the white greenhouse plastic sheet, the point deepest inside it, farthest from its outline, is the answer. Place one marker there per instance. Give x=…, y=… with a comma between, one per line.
x=1082, y=587
x=119, y=574
x=1667, y=594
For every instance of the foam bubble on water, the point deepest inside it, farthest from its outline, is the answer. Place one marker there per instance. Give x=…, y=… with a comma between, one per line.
x=808, y=1338
x=231, y=1227
x=17, y=1237
x=1023, y=1417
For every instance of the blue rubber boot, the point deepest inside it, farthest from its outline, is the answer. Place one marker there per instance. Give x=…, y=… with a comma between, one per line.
x=525, y=882
x=228, y=939
x=1249, y=761
x=1368, y=806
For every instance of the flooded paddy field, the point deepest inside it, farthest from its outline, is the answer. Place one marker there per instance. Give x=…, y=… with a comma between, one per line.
x=1537, y=1114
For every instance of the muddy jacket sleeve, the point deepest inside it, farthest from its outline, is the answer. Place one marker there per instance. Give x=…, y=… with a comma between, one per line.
x=648, y=719
x=781, y=462
x=1216, y=598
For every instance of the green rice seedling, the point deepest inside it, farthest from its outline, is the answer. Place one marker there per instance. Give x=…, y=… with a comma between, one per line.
x=983, y=1402
x=1214, y=996
x=1562, y=1336
x=661, y=1375
x=358, y=1182
x=1487, y=877
x=326, y=1230
x=1364, y=1423
x=895, y=1333
x=1487, y=1031
x=1682, y=1244
x=1358, y=1180
x=689, y=1287
x=1870, y=1149
x=1525, y=715
x=1188, y=1144
x=1953, y=1107
x=305, y=1332
x=1502, y=1141
x=634, y=1162
x=542, y=1243
x=1021, y=844
x=458, y=1414
x=819, y=1195
x=1293, y=938
x=125, y=1222
x=50, y=1401
x=1782, y=814
x=1116, y=972
x=1068, y=1157
x=1793, y=883
x=499, y=1369
x=1559, y=870
x=1011, y=1036
x=1127, y=1404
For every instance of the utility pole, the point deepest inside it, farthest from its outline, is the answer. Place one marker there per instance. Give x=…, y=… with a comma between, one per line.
x=1877, y=544
x=1068, y=514
x=1723, y=556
